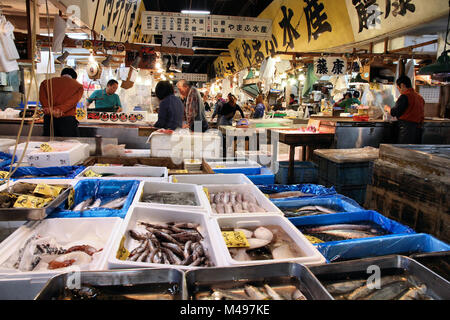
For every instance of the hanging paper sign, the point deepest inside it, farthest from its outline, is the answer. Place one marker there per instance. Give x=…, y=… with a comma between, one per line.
x=214, y=26
x=177, y=40
x=330, y=66
x=224, y=66
x=194, y=77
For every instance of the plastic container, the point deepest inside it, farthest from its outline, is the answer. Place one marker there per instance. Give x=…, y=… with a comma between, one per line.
x=265, y=177
x=355, y=192
x=163, y=215
x=153, y=187
x=261, y=199
x=5, y=144
x=25, y=285
x=262, y=157
x=214, y=179
x=310, y=190
x=388, y=225
x=375, y=247
x=304, y=172
x=337, y=203
x=63, y=172
x=346, y=174
x=246, y=167
x=309, y=254
x=107, y=190
x=157, y=174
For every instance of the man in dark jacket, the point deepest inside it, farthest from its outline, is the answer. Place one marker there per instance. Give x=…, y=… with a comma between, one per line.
x=409, y=110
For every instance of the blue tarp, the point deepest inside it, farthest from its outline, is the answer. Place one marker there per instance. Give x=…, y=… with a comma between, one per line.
x=338, y=203
x=5, y=160
x=381, y=246
x=106, y=190
x=390, y=226
x=312, y=189
x=66, y=172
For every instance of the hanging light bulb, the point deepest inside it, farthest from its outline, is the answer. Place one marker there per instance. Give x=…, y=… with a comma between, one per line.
x=301, y=77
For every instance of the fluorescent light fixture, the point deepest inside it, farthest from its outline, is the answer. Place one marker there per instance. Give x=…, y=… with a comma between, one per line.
x=186, y=63
x=195, y=12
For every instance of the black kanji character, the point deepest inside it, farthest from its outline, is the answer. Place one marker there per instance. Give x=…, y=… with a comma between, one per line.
x=247, y=52
x=401, y=7
x=185, y=42
x=288, y=30
x=170, y=39
x=271, y=46
x=247, y=28
x=230, y=67
x=255, y=29
x=231, y=27
x=237, y=55
x=338, y=67
x=322, y=67
x=315, y=19
x=259, y=56
x=239, y=27
x=368, y=13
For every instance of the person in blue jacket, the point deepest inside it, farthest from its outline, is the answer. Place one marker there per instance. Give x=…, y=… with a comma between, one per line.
x=259, y=108
x=171, y=109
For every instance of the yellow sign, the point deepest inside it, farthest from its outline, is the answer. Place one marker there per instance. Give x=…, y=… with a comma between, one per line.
x=224, y=66
x=235, y=239
x=81, y=114
x=313, y=239
x=92, y=174
x=47, y=190
x=3, y=174
x=122, y=252
x=71, y=198
x=45, y=147
x=25, y=201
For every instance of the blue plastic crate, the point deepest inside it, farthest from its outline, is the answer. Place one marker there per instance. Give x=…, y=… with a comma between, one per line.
x=107, y=190
x=304, y=172
x=391, y=226
x=382, y=246
x=67, y=172
x=266, y=177
x=345, y=174
x=338, y=203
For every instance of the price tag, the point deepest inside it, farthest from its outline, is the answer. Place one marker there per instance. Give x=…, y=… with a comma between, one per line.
x=47, y=190
x=122, y=252
x=174, y=180
x=235, y=239
x=91, y=174
x=207, y=193
x=25, y=201
x=3, y=174
x=71, y=198
x=313, y=239
x=177, y=171
x=219, y=167
x=45, y=147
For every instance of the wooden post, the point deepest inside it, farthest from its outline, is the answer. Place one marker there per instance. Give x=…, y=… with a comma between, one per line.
x=29, y=38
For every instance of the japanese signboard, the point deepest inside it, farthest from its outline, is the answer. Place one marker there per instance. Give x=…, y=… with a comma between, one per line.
x=373, y=18
x=177, y=39
x=206, y=26
x=330, y=66
x=194, y=77
x=224, y=66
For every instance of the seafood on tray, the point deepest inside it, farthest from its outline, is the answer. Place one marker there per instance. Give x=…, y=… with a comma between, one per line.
x=234, y=202
x=307, y=211
x=338, y=232
x=29, y=195
x=264, y=243
x=175, y=243
x=40, y=253
x=287, y=195
x=394, y=287
x=171, y=197
x=250, y=292
x=92, y=203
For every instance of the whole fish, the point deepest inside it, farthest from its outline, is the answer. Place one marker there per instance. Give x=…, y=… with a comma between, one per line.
x=365, y=290
x=340, y=227
x=83, y=205
x=389, y=291
x=349, y=234
x=287, y=194
x=272, y=293
x=254, y=293
x=115, y=204
x=344, y=286
x=298, y=295
x=220, y=294
x=326, y=210
x=96, y=204
x=414, y=293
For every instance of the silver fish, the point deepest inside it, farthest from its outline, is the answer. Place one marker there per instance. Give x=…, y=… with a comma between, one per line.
x=339, y=227
x=344, y=286
x=220, y=294
x=326, y=210
x=96, y=204
x=389, y=291
x=414, y=293
x=298, y=295
x=115, y=204
x=272, y=293
x=254, y=293
x=349, y=234
x=366, y=290
x=82, y=205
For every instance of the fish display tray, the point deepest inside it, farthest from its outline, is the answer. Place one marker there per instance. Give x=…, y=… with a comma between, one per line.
x=438, y=262
x=148, y=284
x=406, y=244
x=31, y=214
x=439, y=287
x=247, y=167
x=275, y=275
x=25, y=285
x=157, y=174
x=164, y=215
x=261, y=199
x=387, y=225
x=147, y=187
x=337, y=203
x=207, y=179
x=310, y=255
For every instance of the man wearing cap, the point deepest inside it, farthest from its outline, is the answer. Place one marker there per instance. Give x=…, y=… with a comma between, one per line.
x=59, y=97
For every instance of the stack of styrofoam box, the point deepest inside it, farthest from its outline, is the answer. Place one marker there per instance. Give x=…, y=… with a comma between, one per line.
x=157, y=174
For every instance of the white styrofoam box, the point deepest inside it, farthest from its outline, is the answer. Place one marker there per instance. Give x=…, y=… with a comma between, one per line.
x=21, y=148
x=234, y=164
x=5, y=144
x=263, y=201
x=263, y=158
x=214, y=179
x=157, y=174
x=146, y=187
x=98, y=232
x=163, y=215
x=309, y=254
x=78, y=153
x=137, y=153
